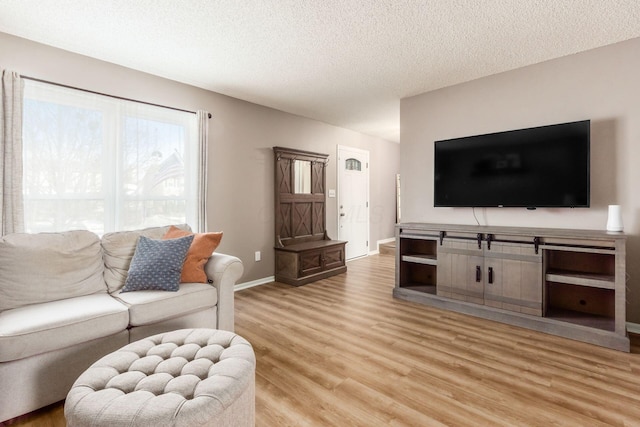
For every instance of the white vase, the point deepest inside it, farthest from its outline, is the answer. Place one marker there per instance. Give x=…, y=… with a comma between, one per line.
x=614, y=221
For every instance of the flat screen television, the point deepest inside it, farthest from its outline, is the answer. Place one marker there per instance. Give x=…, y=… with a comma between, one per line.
x=540, y=167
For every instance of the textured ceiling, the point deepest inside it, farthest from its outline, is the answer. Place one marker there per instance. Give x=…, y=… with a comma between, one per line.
x=344, y=62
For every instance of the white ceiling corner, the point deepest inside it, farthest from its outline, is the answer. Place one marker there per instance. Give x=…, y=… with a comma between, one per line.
x=344, y=62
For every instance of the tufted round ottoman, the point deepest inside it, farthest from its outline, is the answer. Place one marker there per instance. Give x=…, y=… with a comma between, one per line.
x=188, y=377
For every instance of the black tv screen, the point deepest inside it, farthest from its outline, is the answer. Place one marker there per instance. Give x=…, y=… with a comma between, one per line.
x=545, y=166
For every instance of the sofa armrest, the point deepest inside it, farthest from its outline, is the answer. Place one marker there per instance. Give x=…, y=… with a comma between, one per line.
x=225, y=271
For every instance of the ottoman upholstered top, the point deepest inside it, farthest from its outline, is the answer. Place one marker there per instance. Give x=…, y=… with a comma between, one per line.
x=181, y=378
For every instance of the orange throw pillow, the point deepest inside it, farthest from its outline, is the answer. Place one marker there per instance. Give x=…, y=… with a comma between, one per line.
x=199, y=252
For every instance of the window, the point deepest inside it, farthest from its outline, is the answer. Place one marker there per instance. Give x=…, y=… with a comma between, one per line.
x=103, y=164
x=353, y=165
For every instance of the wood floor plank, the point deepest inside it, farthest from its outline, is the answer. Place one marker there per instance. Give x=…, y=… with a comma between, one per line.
x=343, y=352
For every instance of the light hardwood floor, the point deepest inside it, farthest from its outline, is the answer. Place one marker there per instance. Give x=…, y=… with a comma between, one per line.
x=342, y=352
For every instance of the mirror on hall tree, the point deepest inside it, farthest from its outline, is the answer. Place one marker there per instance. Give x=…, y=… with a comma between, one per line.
x=302, y=176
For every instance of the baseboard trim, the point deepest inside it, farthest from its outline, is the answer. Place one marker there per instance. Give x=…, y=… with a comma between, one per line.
x=381, y=242
x=633, y=328
x=251, y=284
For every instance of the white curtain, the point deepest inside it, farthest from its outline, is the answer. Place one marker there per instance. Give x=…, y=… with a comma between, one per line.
x=203, y=137
x=11, y=203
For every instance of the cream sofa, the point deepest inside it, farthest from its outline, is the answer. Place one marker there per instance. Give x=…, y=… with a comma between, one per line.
x=61, y=308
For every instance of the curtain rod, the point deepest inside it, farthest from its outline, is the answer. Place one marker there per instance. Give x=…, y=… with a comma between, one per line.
x=106, y=94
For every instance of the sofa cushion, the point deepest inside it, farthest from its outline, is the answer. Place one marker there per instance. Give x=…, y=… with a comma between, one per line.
x=118, y=249
x=44, y=267
x=201, y=249
x=40, y=328
x=147, y=307
x=156, y=264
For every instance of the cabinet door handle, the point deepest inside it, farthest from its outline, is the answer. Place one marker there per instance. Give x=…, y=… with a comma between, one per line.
x=478, y=273
x=490, y=275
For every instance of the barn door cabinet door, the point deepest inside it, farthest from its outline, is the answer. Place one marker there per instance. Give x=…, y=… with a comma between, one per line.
x=496, y=274
x=463, y=279
x=514, y=278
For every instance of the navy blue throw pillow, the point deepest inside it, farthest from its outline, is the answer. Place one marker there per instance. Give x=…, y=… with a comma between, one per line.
x=157, y=264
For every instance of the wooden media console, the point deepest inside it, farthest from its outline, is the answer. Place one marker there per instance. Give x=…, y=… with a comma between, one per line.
x=570, y=283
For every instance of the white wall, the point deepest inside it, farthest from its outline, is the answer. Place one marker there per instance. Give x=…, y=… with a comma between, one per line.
x=602, y=85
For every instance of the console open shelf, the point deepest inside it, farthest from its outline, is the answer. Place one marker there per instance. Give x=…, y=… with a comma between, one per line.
x=421, y=259
x=605, y=281
x=417, y=287
x=584, y=319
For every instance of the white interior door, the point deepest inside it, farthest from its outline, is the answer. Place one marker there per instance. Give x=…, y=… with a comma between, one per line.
x=353, y=200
